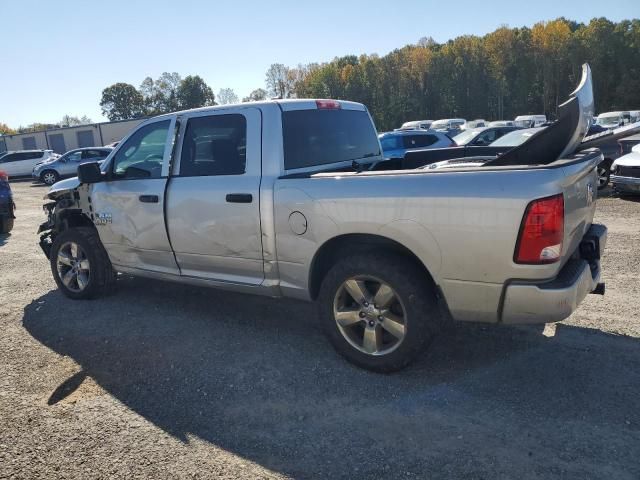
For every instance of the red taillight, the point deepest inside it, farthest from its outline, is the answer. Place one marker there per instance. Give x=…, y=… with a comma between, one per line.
x=328, y=104
x=4, y=176
x=541, y=232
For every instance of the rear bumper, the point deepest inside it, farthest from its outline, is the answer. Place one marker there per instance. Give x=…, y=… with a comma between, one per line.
x=555, y=300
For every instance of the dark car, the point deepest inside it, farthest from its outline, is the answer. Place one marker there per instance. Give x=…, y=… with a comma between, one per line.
x=6, y=204
x=481, y=136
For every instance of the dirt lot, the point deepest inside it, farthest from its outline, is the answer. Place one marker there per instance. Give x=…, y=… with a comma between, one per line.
x=166, y=381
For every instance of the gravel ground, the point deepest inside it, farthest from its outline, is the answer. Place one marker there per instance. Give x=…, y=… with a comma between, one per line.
x=167, y=381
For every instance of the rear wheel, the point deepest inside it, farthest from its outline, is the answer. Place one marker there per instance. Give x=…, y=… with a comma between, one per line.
x=378, y=310
x=80, y=265
x=49, y=177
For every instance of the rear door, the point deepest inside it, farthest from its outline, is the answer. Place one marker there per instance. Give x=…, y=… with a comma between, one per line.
x=128, y=207
x=213, y=210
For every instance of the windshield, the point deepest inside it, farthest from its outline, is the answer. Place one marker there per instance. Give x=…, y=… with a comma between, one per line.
x=609, y=121
x=465, y=137
x=515, y=138
x=323, y=136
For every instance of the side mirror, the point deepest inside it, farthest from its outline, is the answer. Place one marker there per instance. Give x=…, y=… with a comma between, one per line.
x=90, y=173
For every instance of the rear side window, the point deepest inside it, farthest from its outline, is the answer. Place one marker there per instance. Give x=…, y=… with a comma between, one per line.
x=321, y=137
x=419, y=141
x=214, y=145
x=93, y=154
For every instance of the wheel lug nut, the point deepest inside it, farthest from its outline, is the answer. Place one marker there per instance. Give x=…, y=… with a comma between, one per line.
x=366, y=304
x=362, y=314
x=380, y=318
x=371, y=324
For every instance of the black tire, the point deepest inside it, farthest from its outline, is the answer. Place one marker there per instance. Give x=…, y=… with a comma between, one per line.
x=422, y=318
x=6, y=224
x=604, y=174
x=49, y=177
x=101, y=277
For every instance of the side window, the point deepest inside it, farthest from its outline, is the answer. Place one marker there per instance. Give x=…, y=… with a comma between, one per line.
x=142, y=154
x=419, y=141
x=10, y=157
x=87, y=154
x=74, y=157
x=214, y=145
x=390, y=143
x=485, y=138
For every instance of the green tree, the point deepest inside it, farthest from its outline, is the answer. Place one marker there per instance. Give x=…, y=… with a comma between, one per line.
x=161, y=95
x=279, y=81
x=194, y=92
x=6, y=129
x=121, y=101
x=227, y=96
x=72, y=121
x=257, y=95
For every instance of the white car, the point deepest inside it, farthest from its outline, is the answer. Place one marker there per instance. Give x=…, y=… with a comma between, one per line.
x=625, y=172
x=530, y=121
x=416, y=125
x=20, y=163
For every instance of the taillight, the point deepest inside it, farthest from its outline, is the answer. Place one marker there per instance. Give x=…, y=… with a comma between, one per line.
x=328, y=104
x=541, y=232
x=3, y=176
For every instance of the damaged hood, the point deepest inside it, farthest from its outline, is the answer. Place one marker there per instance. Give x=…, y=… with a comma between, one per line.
x=630, y=159
x=62, y=186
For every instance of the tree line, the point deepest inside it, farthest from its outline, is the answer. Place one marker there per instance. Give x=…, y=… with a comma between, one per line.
x=508, y=72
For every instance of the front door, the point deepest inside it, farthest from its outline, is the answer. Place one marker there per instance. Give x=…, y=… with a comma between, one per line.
x=128, y=207
x=213, y=209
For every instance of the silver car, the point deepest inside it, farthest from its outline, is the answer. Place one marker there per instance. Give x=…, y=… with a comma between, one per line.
x=53, y=169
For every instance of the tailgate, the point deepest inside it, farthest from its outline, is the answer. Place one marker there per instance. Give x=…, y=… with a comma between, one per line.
x=580, y=188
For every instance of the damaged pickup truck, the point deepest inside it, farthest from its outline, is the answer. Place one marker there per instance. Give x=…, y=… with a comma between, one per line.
x=279, y=198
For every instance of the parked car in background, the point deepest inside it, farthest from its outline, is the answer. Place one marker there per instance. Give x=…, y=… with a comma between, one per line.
x=613, y=119
x=469, y=124
x=481, y=136
x=625, y=176
x=502, y=123
x=416, y=125
x=7, y=206
x=530, y=121
x=629, y=142
x=395, y=144
x=450, y=126
x=52, y=170
x=20, y=163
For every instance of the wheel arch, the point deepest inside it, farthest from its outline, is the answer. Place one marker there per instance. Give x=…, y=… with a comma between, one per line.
x=346, y=244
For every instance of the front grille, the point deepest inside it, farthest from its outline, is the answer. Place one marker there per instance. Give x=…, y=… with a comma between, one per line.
x=623, y=171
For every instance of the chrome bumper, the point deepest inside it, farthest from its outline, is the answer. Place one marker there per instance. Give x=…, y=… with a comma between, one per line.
x=626, y=183
x=555, y=300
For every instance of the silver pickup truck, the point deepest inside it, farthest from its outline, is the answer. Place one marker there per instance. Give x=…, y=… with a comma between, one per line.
x=281, y=198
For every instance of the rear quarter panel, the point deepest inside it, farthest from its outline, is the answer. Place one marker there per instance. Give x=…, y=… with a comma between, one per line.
x=462, y=226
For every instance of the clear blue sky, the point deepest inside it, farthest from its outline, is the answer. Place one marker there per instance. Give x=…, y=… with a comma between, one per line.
x=57, y=56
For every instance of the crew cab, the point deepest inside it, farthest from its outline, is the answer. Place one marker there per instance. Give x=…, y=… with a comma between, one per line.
x=280, y=198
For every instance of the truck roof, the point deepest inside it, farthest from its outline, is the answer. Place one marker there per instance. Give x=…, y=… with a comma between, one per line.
x=285, y=104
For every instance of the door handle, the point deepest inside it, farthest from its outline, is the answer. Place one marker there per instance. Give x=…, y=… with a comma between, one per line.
x=239, y=198
x=149, y=198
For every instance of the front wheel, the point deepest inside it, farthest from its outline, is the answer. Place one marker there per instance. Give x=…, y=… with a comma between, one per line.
x=379, y=310
x=80, y=265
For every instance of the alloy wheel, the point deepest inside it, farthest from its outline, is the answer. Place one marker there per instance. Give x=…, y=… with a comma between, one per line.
x=73, y=267
x=49, y=178
x=370, y=315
